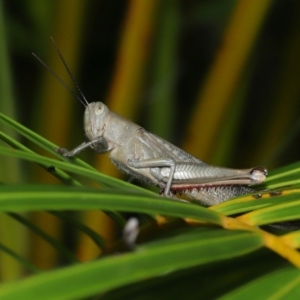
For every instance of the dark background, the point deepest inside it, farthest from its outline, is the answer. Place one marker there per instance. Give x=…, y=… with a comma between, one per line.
x=266, y=92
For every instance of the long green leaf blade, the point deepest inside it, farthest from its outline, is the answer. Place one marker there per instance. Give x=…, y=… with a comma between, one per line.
x=16, y=198
x=284, y=284
x=103, y=275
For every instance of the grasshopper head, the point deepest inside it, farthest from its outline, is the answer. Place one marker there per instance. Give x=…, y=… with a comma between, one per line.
x=94, y=119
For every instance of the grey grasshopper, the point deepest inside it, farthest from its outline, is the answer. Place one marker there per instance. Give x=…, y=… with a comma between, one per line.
x=152, y=159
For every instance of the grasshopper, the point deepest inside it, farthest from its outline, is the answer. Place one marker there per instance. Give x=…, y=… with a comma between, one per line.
x=154, y=160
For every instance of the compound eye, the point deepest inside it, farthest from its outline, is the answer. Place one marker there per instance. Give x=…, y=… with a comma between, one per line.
x=99, y=108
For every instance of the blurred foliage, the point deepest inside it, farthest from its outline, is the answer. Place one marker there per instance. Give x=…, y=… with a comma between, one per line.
x=94, y=39
x=218, y=78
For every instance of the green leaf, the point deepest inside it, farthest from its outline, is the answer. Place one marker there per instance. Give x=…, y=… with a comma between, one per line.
x=217, y=279
x=18, y=198
x=284, y=284
x=148, y=261
x=261, y=200
x=284, y=208
x=92, y=174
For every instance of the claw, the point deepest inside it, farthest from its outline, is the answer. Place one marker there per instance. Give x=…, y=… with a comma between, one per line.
x=64, y=152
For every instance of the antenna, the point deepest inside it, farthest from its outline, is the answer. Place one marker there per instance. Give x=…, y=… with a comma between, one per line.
x=82, y=99
x=69, y=72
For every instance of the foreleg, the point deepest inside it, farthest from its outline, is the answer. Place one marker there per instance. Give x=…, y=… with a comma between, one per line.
x=99, y=144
